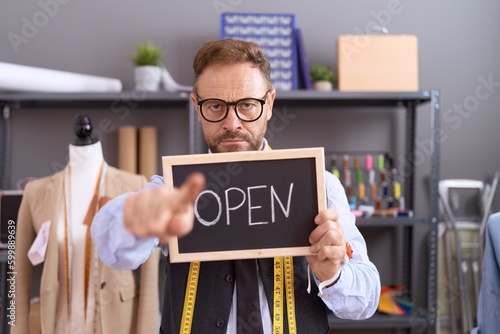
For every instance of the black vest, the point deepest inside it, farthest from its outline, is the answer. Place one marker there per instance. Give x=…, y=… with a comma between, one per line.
x=215, y=293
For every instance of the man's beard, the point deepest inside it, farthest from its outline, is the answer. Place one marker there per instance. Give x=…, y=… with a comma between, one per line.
x=251, y=144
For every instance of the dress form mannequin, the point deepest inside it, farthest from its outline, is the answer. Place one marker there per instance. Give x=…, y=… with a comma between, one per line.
x=82, y=179
x=118, y=301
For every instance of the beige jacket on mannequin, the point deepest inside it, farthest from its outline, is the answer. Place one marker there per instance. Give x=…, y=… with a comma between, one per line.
x=125, y=306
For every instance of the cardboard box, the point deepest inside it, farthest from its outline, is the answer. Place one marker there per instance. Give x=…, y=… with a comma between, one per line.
x=378, y=63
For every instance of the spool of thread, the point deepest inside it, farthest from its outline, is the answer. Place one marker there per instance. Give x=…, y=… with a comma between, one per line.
x=359, y=176
x=361, y=190
x=356, y=162
x=381, y=162
x=345, y=161
x=396, y=188
x=333, y=161
x=373, y=190
x=369, y=162
x=371, y=176
x=347, y=177
x=335, y=170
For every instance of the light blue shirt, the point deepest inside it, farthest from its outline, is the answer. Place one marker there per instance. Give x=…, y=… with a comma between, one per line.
x=354, y=296
x=488, y=312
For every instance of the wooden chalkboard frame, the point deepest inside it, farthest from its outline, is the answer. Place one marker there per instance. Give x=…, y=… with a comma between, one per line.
x=315, y=154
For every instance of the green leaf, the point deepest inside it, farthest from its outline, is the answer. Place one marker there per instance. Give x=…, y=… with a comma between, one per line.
x=320, y=72
x=147, y=54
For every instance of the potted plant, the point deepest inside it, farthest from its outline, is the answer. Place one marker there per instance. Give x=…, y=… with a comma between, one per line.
x=148, y=61
x=322, y=77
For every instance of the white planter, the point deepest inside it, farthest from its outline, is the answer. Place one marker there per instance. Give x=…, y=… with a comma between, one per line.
x=147, y=78
x=323, y=85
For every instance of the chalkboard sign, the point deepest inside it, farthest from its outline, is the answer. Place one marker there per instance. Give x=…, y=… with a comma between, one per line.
x=255, y=204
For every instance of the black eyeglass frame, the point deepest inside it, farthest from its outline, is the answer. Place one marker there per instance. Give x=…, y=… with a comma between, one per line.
x=235, y=103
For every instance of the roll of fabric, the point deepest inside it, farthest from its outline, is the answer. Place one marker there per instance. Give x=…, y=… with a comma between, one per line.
x=148, y=151
x=127, y=148
x=15, y=77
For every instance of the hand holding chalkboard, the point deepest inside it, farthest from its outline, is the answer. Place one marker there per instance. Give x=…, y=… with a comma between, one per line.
x=328, y=244
x=163, y=212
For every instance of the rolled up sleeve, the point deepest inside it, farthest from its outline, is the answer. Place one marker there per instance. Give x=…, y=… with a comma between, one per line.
x=117, y=247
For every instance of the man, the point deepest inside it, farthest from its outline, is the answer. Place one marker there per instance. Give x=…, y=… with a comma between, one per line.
x=234, y=98
x=488, y=310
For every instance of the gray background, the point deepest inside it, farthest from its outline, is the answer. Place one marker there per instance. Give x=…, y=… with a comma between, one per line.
x=458, y=48
x=458, y=45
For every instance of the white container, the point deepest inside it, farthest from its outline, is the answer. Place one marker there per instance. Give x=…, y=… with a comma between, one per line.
x=323, y=85
x=147, y=78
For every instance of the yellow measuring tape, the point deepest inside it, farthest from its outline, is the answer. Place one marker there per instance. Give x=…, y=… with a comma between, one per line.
x=190, y=298
x=278, y=296
x=283, y=276
x=290, y=296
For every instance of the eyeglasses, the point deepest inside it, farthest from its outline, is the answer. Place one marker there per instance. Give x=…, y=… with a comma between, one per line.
x=247, y=109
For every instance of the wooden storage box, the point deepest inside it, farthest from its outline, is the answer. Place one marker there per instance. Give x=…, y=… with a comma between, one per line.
x=378, y=63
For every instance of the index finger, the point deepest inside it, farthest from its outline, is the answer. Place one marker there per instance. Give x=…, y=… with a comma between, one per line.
x=325, y=215
x=190, y=189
